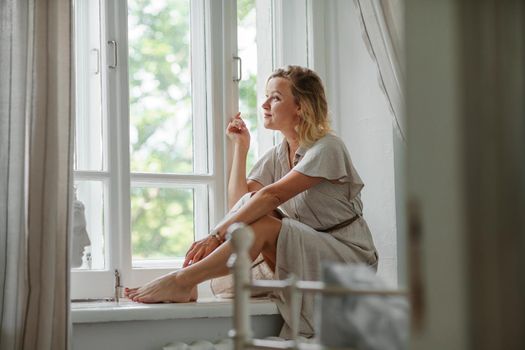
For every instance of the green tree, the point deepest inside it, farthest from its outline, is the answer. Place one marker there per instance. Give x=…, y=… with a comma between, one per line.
x=161, y=132
x=246, y=12
x=161, y=125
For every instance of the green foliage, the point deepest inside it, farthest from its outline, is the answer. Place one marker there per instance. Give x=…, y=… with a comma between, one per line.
x=248, y=86
x=248, y=107
x=159, y=63
x=244, y=7
x=162, y=222
x=162, y=219
x=159, y=56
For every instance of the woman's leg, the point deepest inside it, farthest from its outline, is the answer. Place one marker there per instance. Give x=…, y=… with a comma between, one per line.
x=180, y=286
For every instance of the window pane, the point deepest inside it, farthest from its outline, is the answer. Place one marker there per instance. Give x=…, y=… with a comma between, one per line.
x=162, y=225
x=247, y=46
x=161, y=132
x=89, y=121
x=88, y=238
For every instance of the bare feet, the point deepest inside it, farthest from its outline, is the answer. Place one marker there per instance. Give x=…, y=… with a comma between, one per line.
x=167, y=288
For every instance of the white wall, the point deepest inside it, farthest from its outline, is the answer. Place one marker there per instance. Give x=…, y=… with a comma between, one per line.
x=362, y=117
x=155, y=334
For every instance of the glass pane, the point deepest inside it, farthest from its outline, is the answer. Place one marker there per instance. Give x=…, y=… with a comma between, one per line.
x=88, y=237
x=247, y=46
x=89, y=153
x=161, y=134
x=162, y=225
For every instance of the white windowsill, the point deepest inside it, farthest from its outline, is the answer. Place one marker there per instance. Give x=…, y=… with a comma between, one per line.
x=126, y=310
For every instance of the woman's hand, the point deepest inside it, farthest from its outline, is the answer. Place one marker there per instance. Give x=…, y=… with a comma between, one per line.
x=200, y=249
x=238, y=132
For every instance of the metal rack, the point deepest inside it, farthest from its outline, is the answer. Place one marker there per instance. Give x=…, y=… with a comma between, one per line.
x=242, y=238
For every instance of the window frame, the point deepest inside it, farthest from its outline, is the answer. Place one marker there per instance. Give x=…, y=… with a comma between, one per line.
x=218, y=97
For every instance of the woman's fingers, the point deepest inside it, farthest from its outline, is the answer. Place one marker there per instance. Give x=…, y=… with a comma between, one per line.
x=238, y=132
x=236, y=124
x=191, y=247
x=208, y=249
x=192, y=251
x=189, y=257
x=199, y=255
x=201, y=251
x=194, y=246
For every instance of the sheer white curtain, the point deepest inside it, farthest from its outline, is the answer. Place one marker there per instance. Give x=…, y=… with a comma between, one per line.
x=382, y=22
x=35, y=157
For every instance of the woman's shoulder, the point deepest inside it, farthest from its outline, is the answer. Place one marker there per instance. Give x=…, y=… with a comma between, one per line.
x=329, y=141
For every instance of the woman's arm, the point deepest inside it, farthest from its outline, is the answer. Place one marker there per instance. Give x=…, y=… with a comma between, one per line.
x=237, y=183
x=270, y=197
x=262, y=203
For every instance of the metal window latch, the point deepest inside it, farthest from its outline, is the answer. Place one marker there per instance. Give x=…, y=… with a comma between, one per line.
x=116, y=297
x=115, y=54
x=118, y=286
x=238, y=76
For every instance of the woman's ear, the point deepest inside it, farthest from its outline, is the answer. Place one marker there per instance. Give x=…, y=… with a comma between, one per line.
x=298, y=110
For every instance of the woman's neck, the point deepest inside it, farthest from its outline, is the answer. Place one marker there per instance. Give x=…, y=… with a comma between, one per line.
x=293, y=141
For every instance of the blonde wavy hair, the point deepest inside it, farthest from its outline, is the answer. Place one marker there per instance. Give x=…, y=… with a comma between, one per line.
x=308, y=91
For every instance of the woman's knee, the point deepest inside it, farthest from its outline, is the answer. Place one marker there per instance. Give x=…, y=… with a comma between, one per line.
x=268, y=227
x=270, y=220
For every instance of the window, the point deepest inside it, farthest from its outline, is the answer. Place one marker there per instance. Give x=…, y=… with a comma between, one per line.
x=150, y=153
x=169, y=175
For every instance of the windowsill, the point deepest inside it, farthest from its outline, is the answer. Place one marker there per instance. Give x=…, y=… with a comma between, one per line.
x=126, y=310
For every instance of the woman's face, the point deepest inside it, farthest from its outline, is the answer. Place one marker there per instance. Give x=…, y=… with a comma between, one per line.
x=280, y=109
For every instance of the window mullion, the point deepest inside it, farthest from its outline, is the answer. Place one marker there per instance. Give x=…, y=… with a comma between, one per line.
x=201, y=128
x=265, y=65
x=198, y=87
x=90, y=175
x=222, y=94
x=117, y=107
x=156, y=178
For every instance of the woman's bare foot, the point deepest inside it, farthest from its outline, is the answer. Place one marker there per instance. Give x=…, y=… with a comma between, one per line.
x=167, y=288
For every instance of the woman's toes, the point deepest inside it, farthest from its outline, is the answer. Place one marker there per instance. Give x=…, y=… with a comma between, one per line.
x=129, y=292
x=164, y=289
x=134, y=295
x=146, y=300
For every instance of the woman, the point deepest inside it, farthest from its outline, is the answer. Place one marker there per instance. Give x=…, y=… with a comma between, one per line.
x=309, y=177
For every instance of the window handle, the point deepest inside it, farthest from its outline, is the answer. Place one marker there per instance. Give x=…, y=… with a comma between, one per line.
x=239, y=69
x=115, y=47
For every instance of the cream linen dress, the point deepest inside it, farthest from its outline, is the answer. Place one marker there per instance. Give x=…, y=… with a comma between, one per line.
x=303, y=243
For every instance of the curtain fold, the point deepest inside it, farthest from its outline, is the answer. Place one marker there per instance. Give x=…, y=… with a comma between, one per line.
x=35, y=173
x=382, y=23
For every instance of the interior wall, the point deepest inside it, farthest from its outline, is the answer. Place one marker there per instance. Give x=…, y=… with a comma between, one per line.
x=155, y=334
x=362, y=117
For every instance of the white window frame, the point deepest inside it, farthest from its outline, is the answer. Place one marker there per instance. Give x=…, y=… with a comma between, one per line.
x=219, y=27
x=217, y=98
